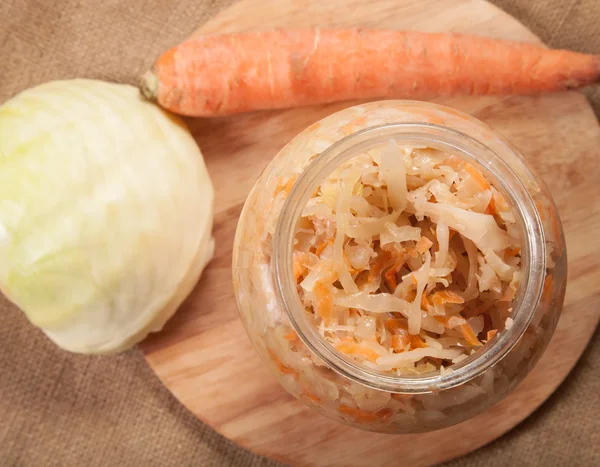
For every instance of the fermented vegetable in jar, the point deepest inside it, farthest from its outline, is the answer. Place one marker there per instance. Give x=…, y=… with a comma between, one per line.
x=399, y=266
x=407, y=259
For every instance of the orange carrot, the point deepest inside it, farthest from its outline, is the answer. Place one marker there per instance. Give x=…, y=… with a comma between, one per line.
x=298, y=270
x=491, y=333
x=513, y=251
x=324, y=304
x=446, y=296
x=393, y=325
x=476, y=175
x=423, y=245
x=322, y=246
x=424, y=302
x=289, y=184
x=310, y=397
x=400, y=341
x=232, y=73
x=468, y=334
x=417, y=343
x=380, y=263
x=286, y=370
x=364, y=416
x=298, y=265
x=291, y=336
x=403, y=338
x=350, y=348
x=442, y=319
x=491, y=207
x=390, y=275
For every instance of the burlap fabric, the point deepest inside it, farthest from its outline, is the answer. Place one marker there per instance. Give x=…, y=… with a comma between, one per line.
x=59, y=409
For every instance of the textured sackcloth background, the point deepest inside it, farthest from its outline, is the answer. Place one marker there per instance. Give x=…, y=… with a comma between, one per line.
x=59, y=409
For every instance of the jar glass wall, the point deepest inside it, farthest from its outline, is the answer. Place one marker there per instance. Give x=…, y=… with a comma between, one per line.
x=327, y=380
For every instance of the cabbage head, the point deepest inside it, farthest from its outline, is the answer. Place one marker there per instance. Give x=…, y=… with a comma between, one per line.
x=106, y=212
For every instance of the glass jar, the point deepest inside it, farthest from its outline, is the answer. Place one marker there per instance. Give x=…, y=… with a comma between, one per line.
x=312, y=370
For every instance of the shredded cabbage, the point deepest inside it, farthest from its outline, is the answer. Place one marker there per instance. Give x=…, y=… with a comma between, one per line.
x=412, y=259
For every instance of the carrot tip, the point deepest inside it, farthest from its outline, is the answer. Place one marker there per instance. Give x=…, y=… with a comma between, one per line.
x=148, y=83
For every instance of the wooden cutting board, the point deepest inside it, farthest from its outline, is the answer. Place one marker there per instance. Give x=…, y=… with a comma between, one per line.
x=203, y=355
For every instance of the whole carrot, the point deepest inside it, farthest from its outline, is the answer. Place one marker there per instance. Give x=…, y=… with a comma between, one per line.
x=227, y=74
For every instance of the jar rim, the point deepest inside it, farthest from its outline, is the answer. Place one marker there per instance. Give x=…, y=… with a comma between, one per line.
x=533, y=253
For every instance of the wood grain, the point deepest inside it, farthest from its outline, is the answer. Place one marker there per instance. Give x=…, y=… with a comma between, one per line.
x=203, y=355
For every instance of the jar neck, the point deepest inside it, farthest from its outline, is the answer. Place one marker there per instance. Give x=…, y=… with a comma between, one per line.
x=533, y=251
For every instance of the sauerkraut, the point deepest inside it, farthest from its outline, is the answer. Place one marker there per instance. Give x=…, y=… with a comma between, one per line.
x=407, y=259
x=403, y=269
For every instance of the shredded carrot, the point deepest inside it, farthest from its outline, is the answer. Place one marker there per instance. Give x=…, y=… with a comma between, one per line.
x=409, y=295
x=442, y=319
x=286, y=370
x=321, y=246
x=299, y=265
x=469, y=335
x=396, y=324
x=379, y=265
x=416, y=342
x=446, y=296
x=358, y=414
x=310, y=396
x=364, y=416
x=291, y=336
x=491, y=207
x=290, y=183
x=423, y=245
x=298, y=270
x=400, y=341
x=384, y=414
x=400, y=336
x=425, y=302
x=491, y=333
x=350, y=348
x=324, y=302
x=390, y=275
x=512, y=251
x=476, y=175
